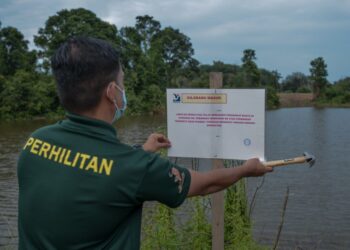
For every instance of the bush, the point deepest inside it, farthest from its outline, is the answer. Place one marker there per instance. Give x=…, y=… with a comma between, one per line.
x=153, y=99
x=166, y=228
x=28, y=94
x=337, y=94
x=273, y=100
x=303, y=89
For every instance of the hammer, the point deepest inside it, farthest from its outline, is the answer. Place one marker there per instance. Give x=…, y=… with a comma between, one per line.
x=301, y=159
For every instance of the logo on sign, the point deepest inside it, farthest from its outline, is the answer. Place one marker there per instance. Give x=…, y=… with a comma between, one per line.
x=176, y=98
x=247, y=141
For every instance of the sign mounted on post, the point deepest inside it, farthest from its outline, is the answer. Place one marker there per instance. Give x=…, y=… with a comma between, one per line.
x=216, y=123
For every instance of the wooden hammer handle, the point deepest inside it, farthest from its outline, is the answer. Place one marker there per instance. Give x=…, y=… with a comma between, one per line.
x=284, y=162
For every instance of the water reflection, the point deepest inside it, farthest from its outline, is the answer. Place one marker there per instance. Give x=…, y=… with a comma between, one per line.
x=317, y=215
x=319, y=197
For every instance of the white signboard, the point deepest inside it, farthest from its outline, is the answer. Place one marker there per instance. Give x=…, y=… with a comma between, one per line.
x=216, y=123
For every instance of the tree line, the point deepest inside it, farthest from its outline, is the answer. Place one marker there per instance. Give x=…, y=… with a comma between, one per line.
x=154, y=58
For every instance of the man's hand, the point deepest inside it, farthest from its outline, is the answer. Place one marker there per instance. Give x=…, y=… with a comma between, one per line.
x=253, y=167
x=219, y=179
x=156, y=142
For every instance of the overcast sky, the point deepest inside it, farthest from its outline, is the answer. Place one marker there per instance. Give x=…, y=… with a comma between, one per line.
x=286, y=34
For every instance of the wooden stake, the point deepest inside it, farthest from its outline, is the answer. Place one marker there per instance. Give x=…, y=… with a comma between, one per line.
x=215, y=81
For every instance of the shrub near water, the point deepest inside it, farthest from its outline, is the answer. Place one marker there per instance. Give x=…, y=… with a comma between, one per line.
x=28, y=94
x=189, y=227
x=166, y=228
x=336, y=94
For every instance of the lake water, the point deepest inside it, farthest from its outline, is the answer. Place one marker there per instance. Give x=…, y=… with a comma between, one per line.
x=318, y=209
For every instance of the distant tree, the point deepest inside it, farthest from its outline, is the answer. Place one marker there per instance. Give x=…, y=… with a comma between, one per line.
x=2, y=83
x=2, y=57
x=14, y=52
x=272, y=98
x=337, y=93
x=175, y=47
x=147, y=28
x=234, y=76
x=155, y=58
x=251, y=71
x=220, y=66
x=318, y=76
x=230, y=73
x=143, y=67
x=191, y=69
x=176, y=52
x=67, y=23
x=248, y=56
x=343, y=84
x=270, y=78
x=27, y=94
x=296, y=82
x=136, y=41
x=130, y=47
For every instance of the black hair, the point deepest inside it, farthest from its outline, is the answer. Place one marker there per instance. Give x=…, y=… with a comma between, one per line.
x=83, y=67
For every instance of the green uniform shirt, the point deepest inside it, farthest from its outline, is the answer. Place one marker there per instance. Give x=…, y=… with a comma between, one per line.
x=81, y=188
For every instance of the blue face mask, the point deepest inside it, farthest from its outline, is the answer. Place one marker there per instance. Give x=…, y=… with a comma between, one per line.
x=120, y=111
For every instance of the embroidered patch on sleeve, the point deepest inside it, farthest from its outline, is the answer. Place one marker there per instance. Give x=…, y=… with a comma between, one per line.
x=178, y=178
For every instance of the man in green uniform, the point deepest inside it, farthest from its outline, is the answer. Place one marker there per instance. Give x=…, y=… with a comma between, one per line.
x=79, y=186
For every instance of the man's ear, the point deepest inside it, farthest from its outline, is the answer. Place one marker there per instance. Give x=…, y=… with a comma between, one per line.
x=111, y=92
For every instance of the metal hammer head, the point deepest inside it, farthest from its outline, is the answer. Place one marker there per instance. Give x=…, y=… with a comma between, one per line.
x=310, y=159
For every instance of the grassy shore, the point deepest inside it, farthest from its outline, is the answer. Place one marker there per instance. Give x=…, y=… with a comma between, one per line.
x=295, y=100
x=289, y=100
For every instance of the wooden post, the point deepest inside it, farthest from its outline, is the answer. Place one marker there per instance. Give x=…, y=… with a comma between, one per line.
x=215, y=81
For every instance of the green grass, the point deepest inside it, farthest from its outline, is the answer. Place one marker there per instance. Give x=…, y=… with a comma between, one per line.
x=188, y=227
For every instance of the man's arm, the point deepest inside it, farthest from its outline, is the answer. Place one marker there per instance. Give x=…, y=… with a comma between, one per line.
x=219, y=179
x=211, y=181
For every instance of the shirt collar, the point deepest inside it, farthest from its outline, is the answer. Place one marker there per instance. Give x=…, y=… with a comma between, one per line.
x=90, y=124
